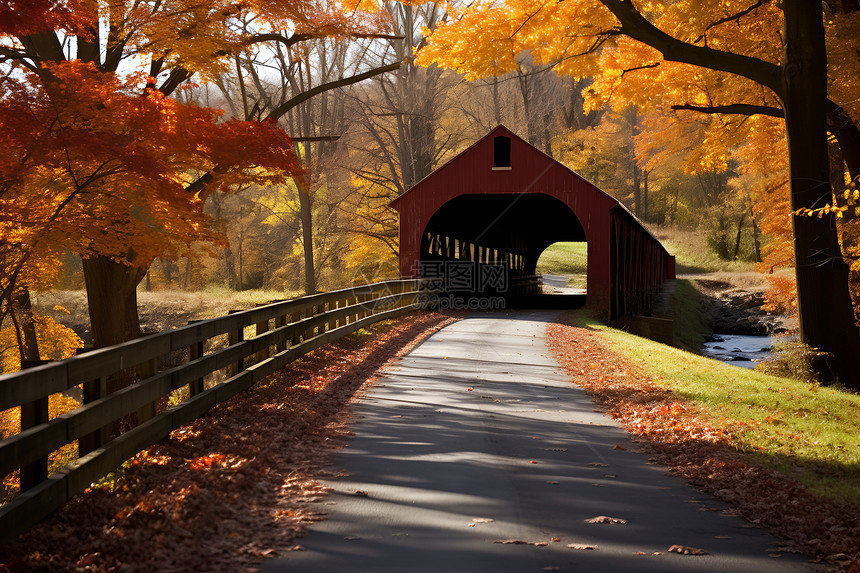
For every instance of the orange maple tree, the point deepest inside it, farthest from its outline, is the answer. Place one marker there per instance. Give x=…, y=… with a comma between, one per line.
x=101, y=161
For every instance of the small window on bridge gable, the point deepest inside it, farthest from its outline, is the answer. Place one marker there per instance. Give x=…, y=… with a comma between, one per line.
x=501, y=153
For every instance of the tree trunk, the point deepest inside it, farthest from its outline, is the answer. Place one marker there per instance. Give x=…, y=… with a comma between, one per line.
x=112, y=296
x=307, y=238
x=186, y=281
x=738, y=235
x=497, y=105
x=25, y=326
x=756, y=237
x=637, y=191
x=824, y=305
x=547, y=139
x=525, y=91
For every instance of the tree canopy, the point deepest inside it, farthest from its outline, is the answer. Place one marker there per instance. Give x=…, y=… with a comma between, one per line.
x=746, y=58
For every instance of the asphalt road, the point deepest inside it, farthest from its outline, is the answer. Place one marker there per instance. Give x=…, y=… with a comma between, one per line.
x=479, y=426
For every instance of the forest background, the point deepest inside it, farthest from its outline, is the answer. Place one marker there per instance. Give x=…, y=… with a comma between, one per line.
x=147, y=143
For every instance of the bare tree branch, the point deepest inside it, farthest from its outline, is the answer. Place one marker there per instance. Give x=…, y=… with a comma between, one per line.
x=734, y=109
x=296, y=38
x=282, y=109
x=732, y=18
x=642, y=67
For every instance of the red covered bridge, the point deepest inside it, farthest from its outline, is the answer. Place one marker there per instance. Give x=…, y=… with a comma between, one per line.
x=501, y=202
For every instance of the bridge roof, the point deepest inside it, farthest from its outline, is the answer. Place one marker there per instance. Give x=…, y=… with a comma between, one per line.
x=531, y=171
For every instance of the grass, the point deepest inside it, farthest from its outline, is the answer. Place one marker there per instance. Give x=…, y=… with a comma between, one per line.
x=691, y=326
x=252, y=296
x=566, y=259
x=692, y=254
x=809, y=432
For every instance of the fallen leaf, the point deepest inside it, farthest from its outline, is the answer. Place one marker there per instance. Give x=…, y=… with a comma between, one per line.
x=482, y=520
x=471, y=525
x=520, y=542
x=582, y=547
x=605, y=519
x=555, y=539
x=552, y=482
x=532, y=462
x=618, y=447
x=684, y=550
x=88, y=559
x=639, y=553
x=598, y=465
x=360, y=493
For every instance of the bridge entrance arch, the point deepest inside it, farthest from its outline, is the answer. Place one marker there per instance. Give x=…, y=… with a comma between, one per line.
x=483, y=219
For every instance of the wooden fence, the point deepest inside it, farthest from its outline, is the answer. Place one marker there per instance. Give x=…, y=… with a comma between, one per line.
x=280, y=333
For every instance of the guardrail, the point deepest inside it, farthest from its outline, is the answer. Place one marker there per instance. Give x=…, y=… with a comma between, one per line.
x=282, y=332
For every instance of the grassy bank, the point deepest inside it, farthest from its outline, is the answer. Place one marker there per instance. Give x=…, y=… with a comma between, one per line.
x=691, y=326
x=692, y=254
x=809, y=432
x=566, y=259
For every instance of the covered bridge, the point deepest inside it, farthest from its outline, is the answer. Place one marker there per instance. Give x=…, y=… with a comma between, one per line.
x=501, y=202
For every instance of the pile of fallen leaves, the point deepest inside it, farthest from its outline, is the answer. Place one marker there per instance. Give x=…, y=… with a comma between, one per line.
x=232, y=488
x=679, y=436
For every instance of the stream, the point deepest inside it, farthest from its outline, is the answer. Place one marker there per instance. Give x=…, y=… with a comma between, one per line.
x=739, y=349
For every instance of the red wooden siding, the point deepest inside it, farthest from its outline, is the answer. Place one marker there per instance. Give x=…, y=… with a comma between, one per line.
x=468, y=209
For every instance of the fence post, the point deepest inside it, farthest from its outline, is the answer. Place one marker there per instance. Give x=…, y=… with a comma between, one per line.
x=281, y=321
x=146, y=370
x=93, y=390
x=309, y=333
x=356, y=299
x=262, y=327
x=235, y=337
x=32, y=414
x=195, y=351
x=295, y=317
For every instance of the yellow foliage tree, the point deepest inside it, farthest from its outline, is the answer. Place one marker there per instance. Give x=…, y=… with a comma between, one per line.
x=728, y=57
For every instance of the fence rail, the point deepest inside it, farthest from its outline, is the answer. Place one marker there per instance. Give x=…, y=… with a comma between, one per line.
x=282, y=332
